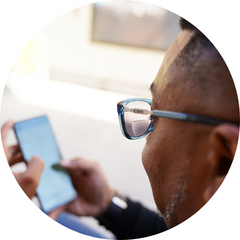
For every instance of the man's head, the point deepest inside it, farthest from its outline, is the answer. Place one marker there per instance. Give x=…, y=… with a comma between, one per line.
x=187, y=162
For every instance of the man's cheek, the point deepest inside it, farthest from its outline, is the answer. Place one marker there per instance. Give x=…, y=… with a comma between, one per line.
x=146, y=154
x=149, y=159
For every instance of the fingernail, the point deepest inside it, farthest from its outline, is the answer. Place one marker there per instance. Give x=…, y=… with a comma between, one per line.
x=65, y=163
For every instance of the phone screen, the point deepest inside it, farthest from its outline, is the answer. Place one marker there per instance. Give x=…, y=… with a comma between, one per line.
x=35, y=137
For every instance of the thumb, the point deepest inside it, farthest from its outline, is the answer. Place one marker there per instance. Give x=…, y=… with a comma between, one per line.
x=79, y=164
x=67, y=164
x=35, y=167
x=29, y=180
x=74, y=164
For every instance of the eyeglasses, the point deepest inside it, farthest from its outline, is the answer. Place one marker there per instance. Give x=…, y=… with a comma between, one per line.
x=136, y=117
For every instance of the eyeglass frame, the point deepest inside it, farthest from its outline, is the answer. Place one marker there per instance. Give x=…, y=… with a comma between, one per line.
x=121, y=108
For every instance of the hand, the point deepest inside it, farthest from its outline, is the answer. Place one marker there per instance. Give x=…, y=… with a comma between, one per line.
x=13, y=153
x=28, y=180
x=94, y=192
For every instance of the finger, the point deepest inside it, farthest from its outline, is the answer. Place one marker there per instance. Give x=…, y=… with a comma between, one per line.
x=55, y=213
x=35, y=167
x=29, y=180
x=74, y=207
x=14, y=155
x=14, y=149
x=6, y=128
x=79, y=164
x=71, y=164
x=17, y=158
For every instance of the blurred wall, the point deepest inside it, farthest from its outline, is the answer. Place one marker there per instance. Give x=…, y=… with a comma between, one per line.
x=75, y=58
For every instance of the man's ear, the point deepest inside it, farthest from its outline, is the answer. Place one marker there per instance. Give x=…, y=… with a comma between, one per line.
x=223, y=144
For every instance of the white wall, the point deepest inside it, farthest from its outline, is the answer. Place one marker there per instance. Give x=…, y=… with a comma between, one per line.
x=74, y=57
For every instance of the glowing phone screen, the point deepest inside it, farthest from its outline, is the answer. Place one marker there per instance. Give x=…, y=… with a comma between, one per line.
x=35, y=137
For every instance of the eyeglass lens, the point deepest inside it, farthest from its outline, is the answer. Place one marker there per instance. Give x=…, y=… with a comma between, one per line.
x=137, y=124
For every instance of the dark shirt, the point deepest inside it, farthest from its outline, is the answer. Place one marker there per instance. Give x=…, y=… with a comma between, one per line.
x=135, y=222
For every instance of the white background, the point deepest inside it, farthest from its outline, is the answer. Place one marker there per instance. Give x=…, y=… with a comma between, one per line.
x=20, y=20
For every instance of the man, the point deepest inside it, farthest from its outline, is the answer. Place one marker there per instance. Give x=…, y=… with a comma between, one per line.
x=186, y=161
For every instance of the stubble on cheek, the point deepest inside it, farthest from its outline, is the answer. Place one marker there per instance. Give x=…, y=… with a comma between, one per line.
x=174, y=208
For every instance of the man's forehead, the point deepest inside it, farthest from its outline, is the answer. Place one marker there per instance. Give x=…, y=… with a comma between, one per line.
x=177, y=46
x=173, y=51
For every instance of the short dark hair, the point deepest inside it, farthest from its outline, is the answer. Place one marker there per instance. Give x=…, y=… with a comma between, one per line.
x=205, y=70
x=185, y=25
x=196, y=46
x=198, y=39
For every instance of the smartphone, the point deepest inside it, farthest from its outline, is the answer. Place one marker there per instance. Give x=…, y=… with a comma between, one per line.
x=35, y=137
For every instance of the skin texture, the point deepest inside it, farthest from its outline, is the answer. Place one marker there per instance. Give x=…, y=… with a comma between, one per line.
x=187, y=162
x=94, y=192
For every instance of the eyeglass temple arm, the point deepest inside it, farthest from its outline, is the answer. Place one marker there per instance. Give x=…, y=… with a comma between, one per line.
x=178, y=116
